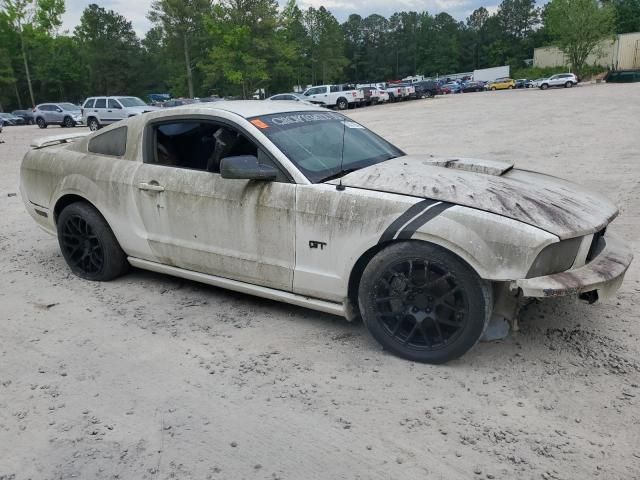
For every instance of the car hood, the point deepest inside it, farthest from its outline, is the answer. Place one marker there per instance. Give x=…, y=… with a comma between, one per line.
x=142, y=109
x=552, y=204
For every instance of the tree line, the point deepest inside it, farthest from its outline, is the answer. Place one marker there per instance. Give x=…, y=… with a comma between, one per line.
x=233, y=47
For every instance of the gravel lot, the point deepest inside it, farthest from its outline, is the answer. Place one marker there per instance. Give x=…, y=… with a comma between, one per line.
x=151, y=377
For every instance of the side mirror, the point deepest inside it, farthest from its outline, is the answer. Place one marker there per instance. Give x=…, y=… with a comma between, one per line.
x=246, y=167
x=59, y=110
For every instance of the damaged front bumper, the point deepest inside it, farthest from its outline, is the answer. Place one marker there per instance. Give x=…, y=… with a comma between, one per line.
x=603, y=275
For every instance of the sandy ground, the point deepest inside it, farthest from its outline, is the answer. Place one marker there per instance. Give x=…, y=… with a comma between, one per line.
x=151, y=377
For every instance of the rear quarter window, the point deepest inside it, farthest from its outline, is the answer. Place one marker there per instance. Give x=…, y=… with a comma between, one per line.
x=112, y=143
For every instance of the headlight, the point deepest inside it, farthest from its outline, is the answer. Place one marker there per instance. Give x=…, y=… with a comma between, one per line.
x=555, y=258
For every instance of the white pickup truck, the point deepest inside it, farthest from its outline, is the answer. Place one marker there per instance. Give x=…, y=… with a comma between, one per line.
x=340, y=96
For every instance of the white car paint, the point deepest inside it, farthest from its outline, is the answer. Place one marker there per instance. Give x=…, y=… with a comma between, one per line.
x=258, y=237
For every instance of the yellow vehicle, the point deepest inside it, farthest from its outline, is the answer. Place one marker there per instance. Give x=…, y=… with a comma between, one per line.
x=502, y=84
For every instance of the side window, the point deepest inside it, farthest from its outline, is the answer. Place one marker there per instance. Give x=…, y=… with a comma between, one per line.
x=334, y=88
x=112, y=143
x=101, y=103
x=278, y=97
x=89, y=103
x=199, y=145
x=113, y=104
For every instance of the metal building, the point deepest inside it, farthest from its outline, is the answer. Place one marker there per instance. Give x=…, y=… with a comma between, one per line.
x=621, y=53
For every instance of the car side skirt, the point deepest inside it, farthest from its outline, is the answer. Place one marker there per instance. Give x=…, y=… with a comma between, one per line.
x=272, y=294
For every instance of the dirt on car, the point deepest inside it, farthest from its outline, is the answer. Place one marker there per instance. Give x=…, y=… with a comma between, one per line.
x=153, y=377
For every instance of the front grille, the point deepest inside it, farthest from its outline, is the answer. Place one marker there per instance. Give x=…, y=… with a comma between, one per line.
x=597, y=244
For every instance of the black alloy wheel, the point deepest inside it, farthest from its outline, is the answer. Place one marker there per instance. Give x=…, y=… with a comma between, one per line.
x=41, y=123
x=423, y=303
x=81, y=246
x=88, y=245
x=420, y=305
x=68, y=122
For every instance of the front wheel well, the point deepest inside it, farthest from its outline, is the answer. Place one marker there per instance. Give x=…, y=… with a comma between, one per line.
x=358, y=269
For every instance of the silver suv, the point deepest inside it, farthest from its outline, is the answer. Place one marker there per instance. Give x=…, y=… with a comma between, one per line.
x=63, y=114
x=100, y=111
x=566, y=80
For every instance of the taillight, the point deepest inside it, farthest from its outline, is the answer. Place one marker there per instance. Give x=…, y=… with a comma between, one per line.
x=353, y=94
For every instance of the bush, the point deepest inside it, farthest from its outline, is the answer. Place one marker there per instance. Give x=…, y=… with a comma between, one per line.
x=532, y=73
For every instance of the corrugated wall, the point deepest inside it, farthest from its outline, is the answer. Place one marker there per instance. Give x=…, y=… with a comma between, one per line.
x=622, y=53
x=628, y=51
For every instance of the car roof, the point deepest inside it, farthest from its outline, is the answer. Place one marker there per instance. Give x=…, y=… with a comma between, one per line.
x=252, y=108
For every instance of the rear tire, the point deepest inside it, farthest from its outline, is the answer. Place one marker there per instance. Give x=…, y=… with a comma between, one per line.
x=423, y=303
x=568, y=85
x=342, y=104
x=88, y=245
x=41, y=123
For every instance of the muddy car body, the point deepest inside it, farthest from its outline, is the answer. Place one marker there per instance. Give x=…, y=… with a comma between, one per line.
x=298, y=204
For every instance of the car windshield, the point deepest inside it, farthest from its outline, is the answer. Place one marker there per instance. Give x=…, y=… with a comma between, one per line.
x=69, y=107
x=131, y=102
x=324, y=145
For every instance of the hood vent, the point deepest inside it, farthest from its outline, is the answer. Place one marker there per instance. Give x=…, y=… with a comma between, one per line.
x=487, y=167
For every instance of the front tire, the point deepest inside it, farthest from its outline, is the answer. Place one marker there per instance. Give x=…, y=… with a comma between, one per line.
x=544, y=86
x=88, y=245
x=41, y=123
x=68, y=122
x=423, y=303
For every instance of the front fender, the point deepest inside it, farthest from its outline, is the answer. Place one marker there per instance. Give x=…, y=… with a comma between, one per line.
x=496, y=247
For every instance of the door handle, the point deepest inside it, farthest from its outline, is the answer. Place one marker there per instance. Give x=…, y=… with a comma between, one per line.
x=151, y=187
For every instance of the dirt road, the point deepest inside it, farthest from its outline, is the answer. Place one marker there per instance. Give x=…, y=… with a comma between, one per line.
x=151, y=377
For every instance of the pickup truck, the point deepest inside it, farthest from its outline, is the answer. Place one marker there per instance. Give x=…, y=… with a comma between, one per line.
x=339, y=96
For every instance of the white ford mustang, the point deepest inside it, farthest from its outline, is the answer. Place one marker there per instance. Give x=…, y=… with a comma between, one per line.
x=303, y=205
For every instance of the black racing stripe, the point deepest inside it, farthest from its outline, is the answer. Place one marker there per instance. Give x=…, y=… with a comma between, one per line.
x=408, y=231
x=411, y=212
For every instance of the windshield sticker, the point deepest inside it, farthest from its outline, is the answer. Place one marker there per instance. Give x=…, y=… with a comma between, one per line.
x=349, y=124
x=303, y=118
x=259, y=123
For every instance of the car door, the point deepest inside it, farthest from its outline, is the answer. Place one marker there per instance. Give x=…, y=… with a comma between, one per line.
x=115, y=111
x=100, y=110
x=57, y=114
x=196, y=220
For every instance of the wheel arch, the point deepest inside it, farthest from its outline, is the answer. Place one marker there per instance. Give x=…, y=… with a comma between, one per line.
x=66, y=200
x=361, y=263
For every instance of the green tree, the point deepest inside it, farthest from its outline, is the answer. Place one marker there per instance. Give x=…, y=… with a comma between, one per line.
x=577, y=26
x=627, y=15
x=109, y=50
x=326, y=45
x=183, y=22
x=27, y=17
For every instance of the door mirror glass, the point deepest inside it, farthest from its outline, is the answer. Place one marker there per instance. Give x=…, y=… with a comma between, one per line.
x=246, y=167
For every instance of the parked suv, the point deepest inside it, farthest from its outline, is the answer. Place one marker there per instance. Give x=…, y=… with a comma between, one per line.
x=100, y=111
x=566, y=80
x=63, y=114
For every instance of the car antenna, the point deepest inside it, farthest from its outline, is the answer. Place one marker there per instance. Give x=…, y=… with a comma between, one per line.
x=340, y=187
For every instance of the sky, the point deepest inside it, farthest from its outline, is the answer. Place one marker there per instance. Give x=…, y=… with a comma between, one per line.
x=136, y=10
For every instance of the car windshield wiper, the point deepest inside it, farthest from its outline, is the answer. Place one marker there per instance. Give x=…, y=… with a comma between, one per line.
x=338, y=174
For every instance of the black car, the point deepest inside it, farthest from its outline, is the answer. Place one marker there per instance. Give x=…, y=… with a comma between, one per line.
x=427, y=88
x=623, y=76
x=26, y=115
x=9, y=120
x=472, y=87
